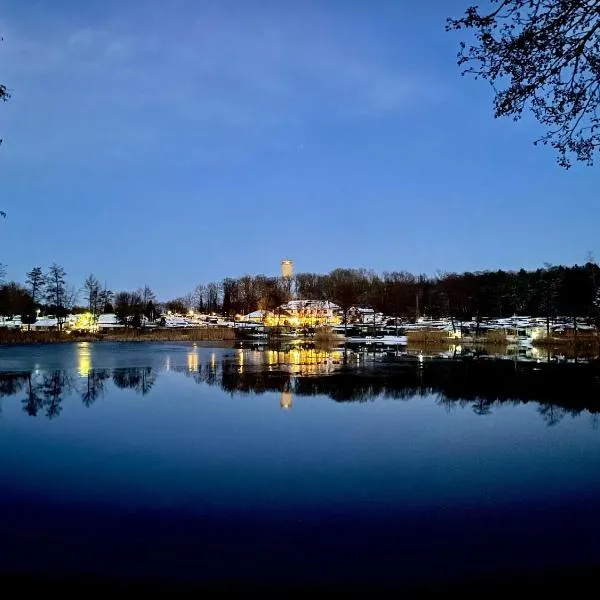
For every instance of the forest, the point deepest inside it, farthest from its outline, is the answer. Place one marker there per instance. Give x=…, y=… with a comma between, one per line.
x=568, y=291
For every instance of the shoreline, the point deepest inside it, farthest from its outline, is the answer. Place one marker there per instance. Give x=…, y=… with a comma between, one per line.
x=589, y=344
x=27, y=338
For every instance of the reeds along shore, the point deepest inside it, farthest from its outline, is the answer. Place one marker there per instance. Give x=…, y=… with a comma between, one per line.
x=581, y=340
x=8, y=336
x=588, y=341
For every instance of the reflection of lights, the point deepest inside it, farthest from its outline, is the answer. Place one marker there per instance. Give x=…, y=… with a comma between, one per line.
x=241, y=361
x=302, y=361
x=84, y=359
x=168, y=364
x=286, y=400
x=213, y=360
x=192, y=361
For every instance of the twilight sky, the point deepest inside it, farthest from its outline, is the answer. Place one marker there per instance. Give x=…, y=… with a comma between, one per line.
x=182, y=142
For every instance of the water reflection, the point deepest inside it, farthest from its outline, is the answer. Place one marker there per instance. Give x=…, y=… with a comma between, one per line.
x=95, y=385
x=295, y=360
x=192, y=361
x=84, y=358
x=140, y=379
x=287, y=400
x=479, y=384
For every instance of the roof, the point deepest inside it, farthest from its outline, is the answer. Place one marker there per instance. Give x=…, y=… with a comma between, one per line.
x=310, y=304
x=45, y=322
x=108, y=319
x=257, y=314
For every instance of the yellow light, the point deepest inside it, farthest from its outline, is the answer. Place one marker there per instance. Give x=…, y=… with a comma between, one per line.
x=192, y=362
x=286, y=400
x=84, y=359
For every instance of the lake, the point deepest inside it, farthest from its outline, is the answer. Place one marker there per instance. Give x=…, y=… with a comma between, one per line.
x=185, y=463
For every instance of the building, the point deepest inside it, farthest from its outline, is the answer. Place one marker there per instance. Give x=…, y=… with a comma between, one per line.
x=257, y=316
x=359, y=314
x=108, y=321
x=308, y=313
x=287, y=268
x=45, y=324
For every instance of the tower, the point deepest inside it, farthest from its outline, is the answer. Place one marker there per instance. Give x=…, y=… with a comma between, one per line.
x=287, y=268
x=287, y=276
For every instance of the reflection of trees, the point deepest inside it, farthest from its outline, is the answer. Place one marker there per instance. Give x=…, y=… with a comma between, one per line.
x=33, y=402
x=94, y=388
x=140, y=379
x=11, y=383
x=481, y=407
x=480, y=384
x=52, y=388
x=552, y=414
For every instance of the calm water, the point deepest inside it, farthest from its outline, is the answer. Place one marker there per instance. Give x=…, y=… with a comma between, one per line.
x=179, y=462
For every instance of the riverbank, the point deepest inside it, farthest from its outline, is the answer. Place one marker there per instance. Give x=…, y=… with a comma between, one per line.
x=582, y=340
x=208, y=334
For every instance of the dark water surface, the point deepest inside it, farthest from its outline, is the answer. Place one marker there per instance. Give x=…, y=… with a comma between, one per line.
x=174, y=462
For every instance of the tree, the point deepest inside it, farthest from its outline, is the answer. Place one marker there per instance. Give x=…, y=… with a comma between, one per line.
x=345, y=289
x=57, y=293
x=36, y=281
x=92, y=291
x=199, y=295
x=148, y=302
x=105, y=297
x=177, y=306
x=2, y=272
x=128, y=308
x=541, y=55
x=16, y=300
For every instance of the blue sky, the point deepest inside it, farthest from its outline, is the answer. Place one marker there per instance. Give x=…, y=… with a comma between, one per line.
x=178, y=143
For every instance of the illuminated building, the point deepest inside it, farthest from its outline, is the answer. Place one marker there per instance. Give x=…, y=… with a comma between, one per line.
x=287, y=268
x=84, y=322
x=305, y=313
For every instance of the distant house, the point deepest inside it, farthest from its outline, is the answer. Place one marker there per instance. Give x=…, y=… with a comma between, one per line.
x=11, y=322
x=45, y=324
x=177, y=321
x=308, y=313
x=108, y=321
x=257, y=316
x=360, y=314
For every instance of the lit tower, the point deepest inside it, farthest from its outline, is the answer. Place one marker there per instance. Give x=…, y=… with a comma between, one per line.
x=287, y=268
x=287, y=275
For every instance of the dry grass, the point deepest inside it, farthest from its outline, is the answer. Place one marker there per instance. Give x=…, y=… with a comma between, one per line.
x=428, y=336
x=8, y=336
x=493, y=336
x=584, y=340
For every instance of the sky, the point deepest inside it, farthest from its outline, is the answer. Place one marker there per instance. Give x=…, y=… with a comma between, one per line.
x=178, y=143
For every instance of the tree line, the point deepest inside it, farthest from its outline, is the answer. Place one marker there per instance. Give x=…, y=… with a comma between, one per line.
x=545, y=292
x=550, y=291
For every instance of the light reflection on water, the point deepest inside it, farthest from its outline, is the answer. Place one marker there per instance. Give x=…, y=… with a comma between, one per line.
x=357, y=375
x=84, y=357
x=163, y=459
